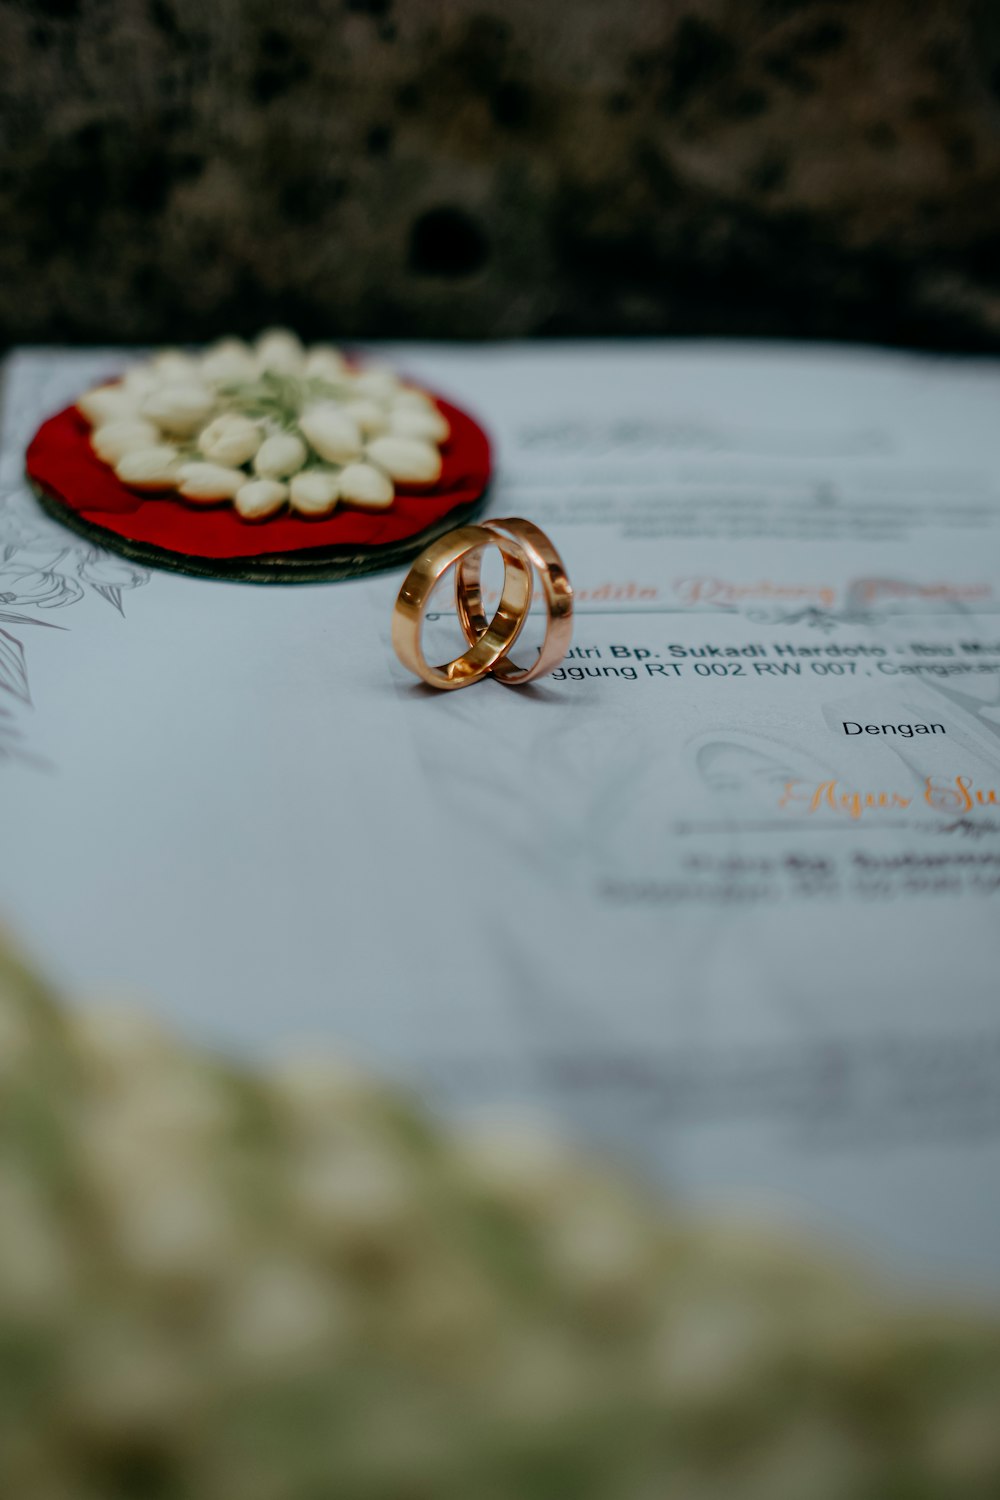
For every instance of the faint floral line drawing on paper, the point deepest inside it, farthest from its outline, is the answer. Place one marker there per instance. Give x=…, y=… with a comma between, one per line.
x=812, y=615
x=41, y=570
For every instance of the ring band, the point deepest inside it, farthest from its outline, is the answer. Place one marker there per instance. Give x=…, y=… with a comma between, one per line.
x=489, y=645
x=556, y=587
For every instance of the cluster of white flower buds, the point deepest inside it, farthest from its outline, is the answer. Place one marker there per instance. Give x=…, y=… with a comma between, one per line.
x=265, y=426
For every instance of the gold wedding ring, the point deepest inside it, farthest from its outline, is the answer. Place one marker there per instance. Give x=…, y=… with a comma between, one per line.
x=503, y=629
x=524, y=549
x=556, y=587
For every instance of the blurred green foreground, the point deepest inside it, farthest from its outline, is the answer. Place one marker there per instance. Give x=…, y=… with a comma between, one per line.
x=217, y=1285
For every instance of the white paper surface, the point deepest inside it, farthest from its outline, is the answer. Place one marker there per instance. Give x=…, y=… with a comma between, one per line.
x=665, y=895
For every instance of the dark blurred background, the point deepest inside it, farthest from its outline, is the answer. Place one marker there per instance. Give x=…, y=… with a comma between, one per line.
x=174, y=169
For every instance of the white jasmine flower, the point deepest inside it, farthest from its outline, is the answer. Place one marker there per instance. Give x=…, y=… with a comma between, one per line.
x=209, y=482
x=149, y=468
x=324, y=362
x=334, y=435
x=406, y=458
x=314, y=492
x=171, y=1226
x=278, y=1310
x=179, y=409
x=357, y=1190
x=370, y=416
x=280, y=456
x=316, y=1092
x=230, y=439
x=229, y=362
x=366, y=486
x=113, y=440
x=424, y=424
x=408, y=398
x=378, y=384
x=174, y=367
x=108, y=403
x=281, y=350
x=260, y=498
x=139, y=380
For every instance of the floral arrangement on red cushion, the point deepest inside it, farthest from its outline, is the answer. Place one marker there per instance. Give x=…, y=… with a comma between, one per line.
x=260, y=456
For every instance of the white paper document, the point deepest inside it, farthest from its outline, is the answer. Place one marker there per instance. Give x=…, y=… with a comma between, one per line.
x=722, y=894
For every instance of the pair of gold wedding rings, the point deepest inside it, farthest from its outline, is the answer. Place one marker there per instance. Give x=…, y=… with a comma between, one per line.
x=526, y=552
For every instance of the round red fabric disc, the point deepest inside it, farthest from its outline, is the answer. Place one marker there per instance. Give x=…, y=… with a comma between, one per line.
x=79, y=489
